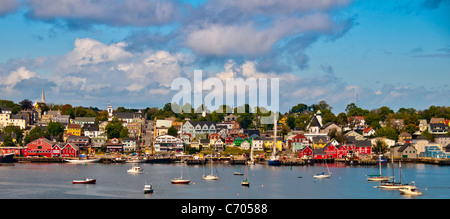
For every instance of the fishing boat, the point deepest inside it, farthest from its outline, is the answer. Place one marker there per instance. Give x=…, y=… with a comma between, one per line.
x=81, y=161
x=148, y=189
x=84, y=181
x=410, y=190
x=245, y=182
x=274, y=160
x=378, y=177
x=180, y=180
x=135, y=169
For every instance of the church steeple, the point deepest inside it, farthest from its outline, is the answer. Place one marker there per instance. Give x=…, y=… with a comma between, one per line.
x=43, y=96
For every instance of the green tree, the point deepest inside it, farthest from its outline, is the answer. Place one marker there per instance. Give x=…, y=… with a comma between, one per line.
x=172, y=131
x=34, y=134
x=114, y=128
x=387, y=132
x=380, y=146
x=8, y=141
x=55, y=129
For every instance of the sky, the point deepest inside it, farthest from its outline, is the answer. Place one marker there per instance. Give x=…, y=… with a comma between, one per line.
x=374, y=53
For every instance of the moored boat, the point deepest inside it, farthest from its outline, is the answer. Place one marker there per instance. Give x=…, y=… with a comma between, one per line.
x=411, y=190
x=148, y=189
x=84, y=181
x=135, y=169
x=81, y=161
x=321, y=176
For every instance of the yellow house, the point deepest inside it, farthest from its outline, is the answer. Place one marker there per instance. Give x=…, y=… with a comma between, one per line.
x=268, y=143
x=74, y=129
x=319, y=141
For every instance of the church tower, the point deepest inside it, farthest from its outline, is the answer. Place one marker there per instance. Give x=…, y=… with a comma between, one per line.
x=43, y=96
x=110, y=112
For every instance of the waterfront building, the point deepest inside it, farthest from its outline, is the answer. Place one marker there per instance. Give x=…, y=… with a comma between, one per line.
x=70, y=150
x=114, y=145
x=404, y=151
x=80, y=141
x=298, y=142
x=306, y=152
x=363, y=147
x=41, y=147
x=257, y=144
x=129, y=144
x=168, y=143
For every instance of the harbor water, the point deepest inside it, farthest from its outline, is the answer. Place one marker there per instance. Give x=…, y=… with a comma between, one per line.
x=50, y=181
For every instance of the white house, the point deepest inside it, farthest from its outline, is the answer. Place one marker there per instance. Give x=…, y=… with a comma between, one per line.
x=164, y=143
x=257, y=144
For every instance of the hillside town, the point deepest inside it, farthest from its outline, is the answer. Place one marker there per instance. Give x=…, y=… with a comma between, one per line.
x=305, y=132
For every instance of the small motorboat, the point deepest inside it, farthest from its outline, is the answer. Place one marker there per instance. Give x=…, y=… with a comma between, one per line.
x=148, y=189
x=84, y=181
x=135, y=169
x=238, y=173
x=410, y=190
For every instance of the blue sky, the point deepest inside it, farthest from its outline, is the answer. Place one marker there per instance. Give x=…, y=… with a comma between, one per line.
x=392, y=53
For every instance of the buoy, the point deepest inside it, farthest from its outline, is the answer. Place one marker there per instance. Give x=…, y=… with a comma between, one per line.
x=262, y=185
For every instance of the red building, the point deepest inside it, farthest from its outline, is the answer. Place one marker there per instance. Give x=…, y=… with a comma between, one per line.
x=41, y=147
x=363, y=147
x=305, y=152
x=70, y=150
x=331, y=151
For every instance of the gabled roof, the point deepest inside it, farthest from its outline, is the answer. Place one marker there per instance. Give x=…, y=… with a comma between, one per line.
x=363, y=143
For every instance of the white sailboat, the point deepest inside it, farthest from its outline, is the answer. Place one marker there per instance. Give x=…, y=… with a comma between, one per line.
x=180, y=180
x=378, y=177
x=210, y=176
x=245, y=182
x=392, y=185
x=323, y=175
x=274, y=160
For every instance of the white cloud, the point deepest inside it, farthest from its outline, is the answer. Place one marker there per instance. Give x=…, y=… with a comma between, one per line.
x=10, y=80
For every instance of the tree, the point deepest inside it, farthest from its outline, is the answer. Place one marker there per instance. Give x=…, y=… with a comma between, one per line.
x=114, y=128
x=26, y=104
x=387, y=132
x=172, y=131
x=55, y=129
x=34, y=134
x=8, y=141
x=124, y=133
x=380, y=146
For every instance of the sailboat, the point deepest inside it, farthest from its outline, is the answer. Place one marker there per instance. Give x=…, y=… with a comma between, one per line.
x=180, y=180
x=274, y=160
x=378, y=177
x=210, y=176
x=411, y=190
x=392, y=184
x=245, y=182
x=323, y=175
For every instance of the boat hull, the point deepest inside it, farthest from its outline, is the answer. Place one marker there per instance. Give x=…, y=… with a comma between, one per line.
x=210, y=177
x=7, y=158
x=394, y=186
x=180, y=181
x=86, y=181
x=83, y=161
x=410, y=191
x=274, y=163
x=321, y=176
x=379, y=178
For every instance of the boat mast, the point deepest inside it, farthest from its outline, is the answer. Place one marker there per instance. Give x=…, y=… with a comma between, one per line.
x=274, y=152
